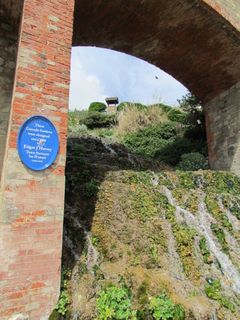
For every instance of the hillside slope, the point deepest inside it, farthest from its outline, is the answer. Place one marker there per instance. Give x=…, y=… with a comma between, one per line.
x=132, y=224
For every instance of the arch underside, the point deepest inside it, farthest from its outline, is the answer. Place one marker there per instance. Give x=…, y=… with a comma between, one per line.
x=186, y=38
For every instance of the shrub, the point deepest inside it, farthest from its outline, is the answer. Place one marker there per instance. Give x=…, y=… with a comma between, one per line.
x=98, y=120
x=91, y=188
x=133, y=118
x=105, y=133
x=162, y=308
x=213, y=291
x=97, y=107
x=114, y=303
x=150, y=140
x=189, y=103
x=195, y=113
x=192, y=161
x=124, y=105
x=74, y=117
x=171, y=153
x=164, y=107
x=177, y=115
x=78, y=130
x=64, y=299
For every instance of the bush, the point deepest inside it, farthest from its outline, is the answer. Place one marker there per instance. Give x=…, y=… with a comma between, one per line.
x=213, y=291
x=114, y=303
x=192, y=161
x=177, y=115
x=171, y=153
x=135, y=117
x=91, y=188
x=197, y=132
x=98, y=120
x=195, y=113
x=164, y=107
x=123, y=105
x=80, y=129
x=97, y=107
x=162, y=308
x=150, y=140
x=74, y=117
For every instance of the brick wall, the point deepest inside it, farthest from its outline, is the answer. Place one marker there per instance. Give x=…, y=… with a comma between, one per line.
x=8, y=52
x=223, y=130
x=32, y=202
x=229, y=9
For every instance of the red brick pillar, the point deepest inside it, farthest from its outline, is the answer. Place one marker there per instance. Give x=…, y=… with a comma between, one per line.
x=32, y=203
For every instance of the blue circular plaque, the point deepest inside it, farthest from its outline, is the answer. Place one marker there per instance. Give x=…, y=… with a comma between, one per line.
x=38, y=143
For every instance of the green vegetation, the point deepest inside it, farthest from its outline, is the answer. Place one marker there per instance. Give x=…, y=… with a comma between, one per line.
x=222, y=182
x=171, y=153
x=192, y=161
x=188, y=201
x=97, y=107
x=91, y=188
x=162, y=308
x=192, y=106
x=114, y=303
x=156, y=131
x=184, y=237
x=220, y=235
x=126, y=217
x=143, y=203
x=213, y=291
x=205, y=251
x=124, y=105
x=212, y=203
x=64, y=299
x=98, y=120
x=233, y=205
x=150, y=140
x=176, y=115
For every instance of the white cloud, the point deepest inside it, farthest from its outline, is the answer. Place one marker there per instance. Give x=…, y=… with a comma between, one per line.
x=85, y=88
x=97, y=73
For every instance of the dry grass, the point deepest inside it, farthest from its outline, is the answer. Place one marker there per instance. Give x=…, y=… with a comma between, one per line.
x=132, y=118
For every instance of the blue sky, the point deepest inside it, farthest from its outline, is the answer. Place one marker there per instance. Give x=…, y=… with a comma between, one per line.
x=99, y=73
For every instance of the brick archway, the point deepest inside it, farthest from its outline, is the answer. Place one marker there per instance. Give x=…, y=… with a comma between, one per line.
x=197, y=41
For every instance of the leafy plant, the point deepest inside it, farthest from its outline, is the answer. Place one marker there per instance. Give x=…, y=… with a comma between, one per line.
x=172, y=151
x=150, y=140
x=135, y=117
x=192, y=105
x=213, y=291
x=162, y=308
x=63, y=302
x=74, y=118
x=91, y=188
x=192, y=161
x=124, y=105
x=64, y=299
x=212, y=203
x=98, y=120
x=97, y=107
x=177, y=115
x=115, y=303
x=205, y=251
x=219, y=233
